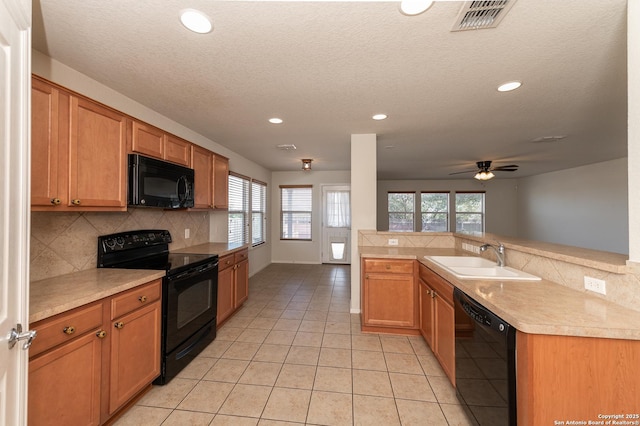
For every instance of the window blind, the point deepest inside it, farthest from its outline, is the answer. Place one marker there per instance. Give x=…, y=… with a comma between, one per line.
x=238, y=209
x=258, y=212
x=296, y=208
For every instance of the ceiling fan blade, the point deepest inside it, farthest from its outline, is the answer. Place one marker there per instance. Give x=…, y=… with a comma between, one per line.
x=510, y=167
x=466, y=171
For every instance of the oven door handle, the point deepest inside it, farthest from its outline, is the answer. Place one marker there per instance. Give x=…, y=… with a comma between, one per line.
x=194, y=272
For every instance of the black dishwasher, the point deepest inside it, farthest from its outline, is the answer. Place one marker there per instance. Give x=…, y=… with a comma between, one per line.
x=485, y=364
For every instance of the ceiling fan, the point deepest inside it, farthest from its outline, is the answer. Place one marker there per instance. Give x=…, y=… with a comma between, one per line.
x=485, y=171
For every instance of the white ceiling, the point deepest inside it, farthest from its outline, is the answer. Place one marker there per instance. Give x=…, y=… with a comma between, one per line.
x=326, y=67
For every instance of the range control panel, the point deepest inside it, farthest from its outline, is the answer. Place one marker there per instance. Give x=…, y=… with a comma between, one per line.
x=132, y=240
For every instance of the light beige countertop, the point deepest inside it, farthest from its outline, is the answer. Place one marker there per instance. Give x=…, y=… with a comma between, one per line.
x=220, y=249
x=55, y=295
x=536, y=307
x=59, y=294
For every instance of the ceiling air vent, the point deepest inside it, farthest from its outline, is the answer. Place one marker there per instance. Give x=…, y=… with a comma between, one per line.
x=476, y=15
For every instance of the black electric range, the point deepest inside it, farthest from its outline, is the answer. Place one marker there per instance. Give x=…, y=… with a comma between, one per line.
x=189, y=291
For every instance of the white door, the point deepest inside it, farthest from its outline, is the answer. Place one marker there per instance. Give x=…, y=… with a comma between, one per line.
x=336, y=224
x=15, y=81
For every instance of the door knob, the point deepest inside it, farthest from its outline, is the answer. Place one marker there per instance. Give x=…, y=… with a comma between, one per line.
x=16, y=334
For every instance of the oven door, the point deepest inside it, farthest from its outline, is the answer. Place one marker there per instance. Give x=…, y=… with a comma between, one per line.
x=190, y=303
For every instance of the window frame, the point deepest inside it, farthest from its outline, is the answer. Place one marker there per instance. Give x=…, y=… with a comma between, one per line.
x=447, y=213
x=297, y=212
x=482, y=214
x=244, y=212
x=411, y=214
x=261, y=211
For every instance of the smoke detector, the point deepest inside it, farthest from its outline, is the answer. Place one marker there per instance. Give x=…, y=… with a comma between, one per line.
x=476, y=15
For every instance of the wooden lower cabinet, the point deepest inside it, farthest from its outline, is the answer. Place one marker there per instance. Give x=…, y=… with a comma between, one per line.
x=563, y=378
x=389, y=296
x=233, y=284
x=135, y=353
x=86, y=364
x=438, y=319
x=64, y=383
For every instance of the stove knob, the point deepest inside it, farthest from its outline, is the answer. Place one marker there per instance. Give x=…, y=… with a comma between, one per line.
x=120, y=241
x=501, y=327
x=110, y=242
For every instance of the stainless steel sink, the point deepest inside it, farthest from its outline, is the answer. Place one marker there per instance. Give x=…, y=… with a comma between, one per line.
x=470, y=267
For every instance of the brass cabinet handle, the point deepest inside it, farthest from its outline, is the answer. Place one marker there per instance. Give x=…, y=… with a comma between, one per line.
x=118, y=325
x=142, y=299
x=55, y=201
x=75, y=202
x=433, y=294
x=366, y=276
x=387, y=266
x=69, y=330
x=101, y=334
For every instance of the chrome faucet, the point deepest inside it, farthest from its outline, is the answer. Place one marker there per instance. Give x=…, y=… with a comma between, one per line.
x=499, y=252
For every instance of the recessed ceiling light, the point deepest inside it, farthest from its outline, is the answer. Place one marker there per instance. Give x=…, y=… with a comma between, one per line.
x=509, y=86
x=414, y=7
x=196, y=21
x=379, y=116
x=275, y=120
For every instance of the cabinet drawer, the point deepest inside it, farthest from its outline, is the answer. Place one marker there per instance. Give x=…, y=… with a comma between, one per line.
x=225, y=262
x=442, y=287
x=385, y=265
x=65, y=327
x=135, y=298
x=241, y=255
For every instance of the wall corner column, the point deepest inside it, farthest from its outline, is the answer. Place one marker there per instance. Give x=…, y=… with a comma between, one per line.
x=363, y=202
x=633, y=143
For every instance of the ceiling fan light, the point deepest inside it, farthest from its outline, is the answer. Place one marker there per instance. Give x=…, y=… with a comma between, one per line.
x=196, y=21
x=415, y=7
x=484, y=175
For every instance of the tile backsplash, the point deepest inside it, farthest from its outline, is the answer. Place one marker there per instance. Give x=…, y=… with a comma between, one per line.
x=62, y=243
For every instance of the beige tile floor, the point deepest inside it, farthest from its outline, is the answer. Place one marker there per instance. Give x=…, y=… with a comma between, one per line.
x=295, y=355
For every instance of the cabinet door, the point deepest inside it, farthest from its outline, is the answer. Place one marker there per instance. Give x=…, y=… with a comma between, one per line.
x=221, y=182
x=225, y=294
x=64, y=384
x=426, y=313
x=147, y=140
x=445, y=336
x=242, y=282
x=389, y=300
x=202, y=164
x=97, y=156
x=46, y=190
x=177, y=150
x=135, y=353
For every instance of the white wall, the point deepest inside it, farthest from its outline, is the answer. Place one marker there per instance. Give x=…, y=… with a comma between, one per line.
x=633, y=111
x=500, y=199
x=584, y=207
x=63, y=75
x=301, y=251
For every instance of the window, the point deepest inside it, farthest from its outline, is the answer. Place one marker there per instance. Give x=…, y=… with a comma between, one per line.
x=338, y=214
x=295, y=215
x=258, y=212
x=470, y=212
x=401, y=211
x=434, y=211
x=238, y=209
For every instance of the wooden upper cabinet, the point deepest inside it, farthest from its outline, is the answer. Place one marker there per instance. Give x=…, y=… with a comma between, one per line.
x=202, y=164
x=220, y=182
x=47, y=188
x=147, y=140
x=177, y=150
x=97, y=156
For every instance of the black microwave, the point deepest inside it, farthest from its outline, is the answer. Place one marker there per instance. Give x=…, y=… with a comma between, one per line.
x=157, y=183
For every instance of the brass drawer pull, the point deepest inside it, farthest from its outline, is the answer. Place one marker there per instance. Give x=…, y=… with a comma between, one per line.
x=387, y=266
x=55, y=201
x=101, y=334
x=69, y=330
x=75, y=202
x=142, y=299
x=118, y=325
